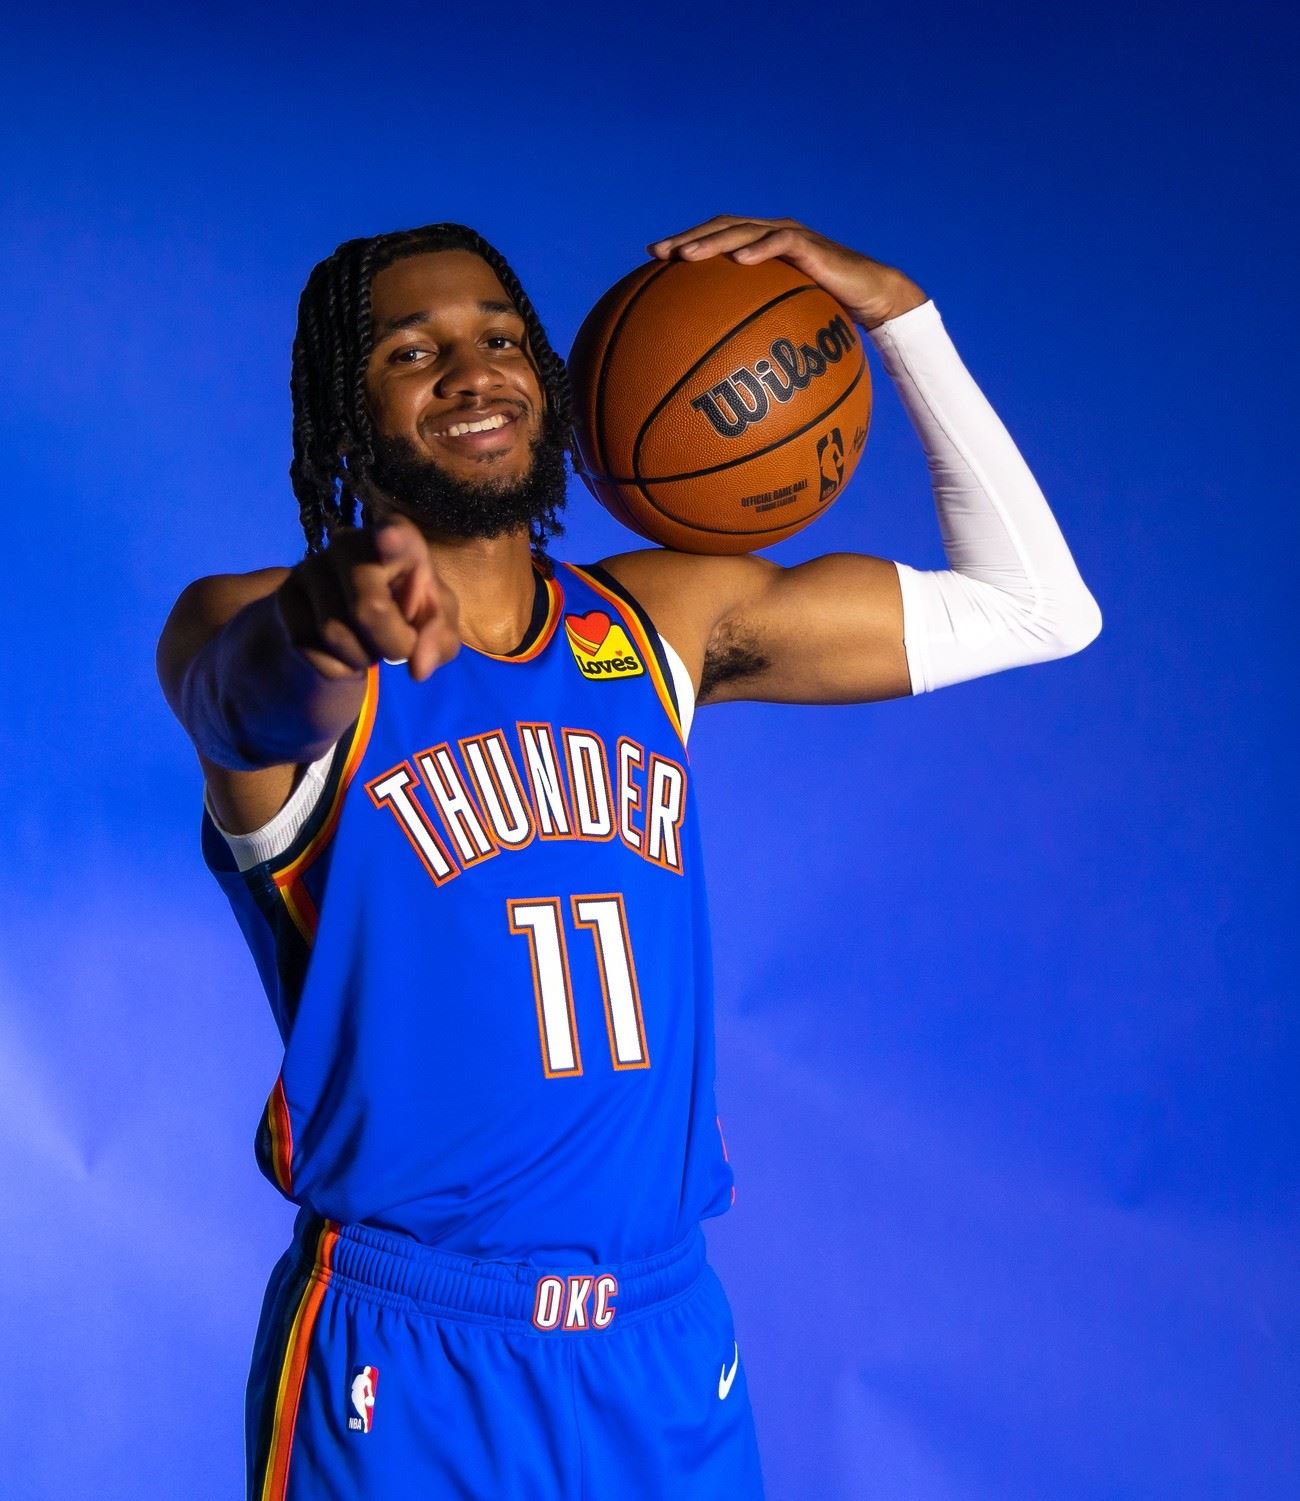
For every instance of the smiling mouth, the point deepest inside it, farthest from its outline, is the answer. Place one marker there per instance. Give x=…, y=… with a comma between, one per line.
x=477, y=427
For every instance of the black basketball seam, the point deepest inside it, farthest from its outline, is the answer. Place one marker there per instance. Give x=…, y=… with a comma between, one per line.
x=668, y=479
x=730, y=531
x=809, y=286
x=598, y=433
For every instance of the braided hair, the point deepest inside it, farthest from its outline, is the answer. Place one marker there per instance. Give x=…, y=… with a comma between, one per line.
x=333, y=443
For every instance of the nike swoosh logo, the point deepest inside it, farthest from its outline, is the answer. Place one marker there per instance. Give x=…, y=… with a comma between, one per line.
x=726, y=1377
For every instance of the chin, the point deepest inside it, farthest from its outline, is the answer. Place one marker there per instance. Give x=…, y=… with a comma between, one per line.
x=470, y=499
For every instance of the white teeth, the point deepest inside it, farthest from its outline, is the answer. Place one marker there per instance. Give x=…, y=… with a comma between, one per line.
x=486, y=426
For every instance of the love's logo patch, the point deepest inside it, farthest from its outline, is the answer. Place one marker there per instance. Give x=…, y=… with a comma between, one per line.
x=600, y=646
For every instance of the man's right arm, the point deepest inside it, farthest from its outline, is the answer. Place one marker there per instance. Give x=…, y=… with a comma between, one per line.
x=266, y=670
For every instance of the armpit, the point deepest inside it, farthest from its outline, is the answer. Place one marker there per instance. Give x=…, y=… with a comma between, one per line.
x=730, y=655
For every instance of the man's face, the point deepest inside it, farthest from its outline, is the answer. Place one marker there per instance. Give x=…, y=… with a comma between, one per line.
x=449, y=352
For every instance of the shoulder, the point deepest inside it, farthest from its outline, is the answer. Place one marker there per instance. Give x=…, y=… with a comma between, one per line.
x=201, y=609
x=692, y=592
x=242, y=801
x=225, y=593
x=691, y=597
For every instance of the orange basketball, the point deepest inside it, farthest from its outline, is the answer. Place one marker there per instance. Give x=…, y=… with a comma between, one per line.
x=718, y=407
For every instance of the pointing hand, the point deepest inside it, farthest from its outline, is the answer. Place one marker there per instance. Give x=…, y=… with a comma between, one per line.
x=372, y=593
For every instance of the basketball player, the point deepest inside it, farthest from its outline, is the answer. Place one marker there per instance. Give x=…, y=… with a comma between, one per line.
x=469, y=873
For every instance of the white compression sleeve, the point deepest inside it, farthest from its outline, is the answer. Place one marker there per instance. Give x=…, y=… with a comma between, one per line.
x=1013, y=594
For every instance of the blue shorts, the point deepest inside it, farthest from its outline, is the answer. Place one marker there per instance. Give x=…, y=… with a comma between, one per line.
x=387, y=1369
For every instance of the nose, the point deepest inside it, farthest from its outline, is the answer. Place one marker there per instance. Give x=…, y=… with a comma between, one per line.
x=466, y=370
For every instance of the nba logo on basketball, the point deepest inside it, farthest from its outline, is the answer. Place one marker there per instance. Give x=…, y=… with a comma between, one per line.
x=830, y=459
x=361, y=1396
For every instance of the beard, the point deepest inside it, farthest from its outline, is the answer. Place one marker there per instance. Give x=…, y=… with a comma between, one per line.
x=440, y=502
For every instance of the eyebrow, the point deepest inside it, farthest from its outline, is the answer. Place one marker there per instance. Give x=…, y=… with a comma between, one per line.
x=409, y=320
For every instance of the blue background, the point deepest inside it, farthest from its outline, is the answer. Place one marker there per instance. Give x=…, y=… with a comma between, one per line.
x=1006, y=1008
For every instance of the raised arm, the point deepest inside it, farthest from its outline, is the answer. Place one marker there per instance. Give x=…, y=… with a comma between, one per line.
x=845, y=627
x=266, y=670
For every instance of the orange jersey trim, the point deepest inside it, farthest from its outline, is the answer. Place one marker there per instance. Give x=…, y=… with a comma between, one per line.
x=554, y=605
x=288, y=1395
x=277, y=1121
x=633, y=625
x=288, y=879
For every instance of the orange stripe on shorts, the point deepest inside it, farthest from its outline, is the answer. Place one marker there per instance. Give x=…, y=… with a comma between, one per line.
x=294, y=1369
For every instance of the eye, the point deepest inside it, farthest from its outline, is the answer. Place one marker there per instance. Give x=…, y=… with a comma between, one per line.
x=406, y=355
x=503, y=339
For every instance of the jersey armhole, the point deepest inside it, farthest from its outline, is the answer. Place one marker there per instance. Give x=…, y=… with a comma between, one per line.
x=680, y=682
x=276, y=836
x=298, y=832
x=673, y=669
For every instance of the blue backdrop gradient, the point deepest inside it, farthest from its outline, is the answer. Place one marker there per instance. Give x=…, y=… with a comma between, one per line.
x=1007, y=1010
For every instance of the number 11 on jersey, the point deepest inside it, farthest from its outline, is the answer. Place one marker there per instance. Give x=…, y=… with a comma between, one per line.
x=540, y=920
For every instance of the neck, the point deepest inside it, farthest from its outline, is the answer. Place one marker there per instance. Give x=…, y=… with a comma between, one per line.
x=492, y=580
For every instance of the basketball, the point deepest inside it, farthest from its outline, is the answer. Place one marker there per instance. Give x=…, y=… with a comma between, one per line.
x=718, y=407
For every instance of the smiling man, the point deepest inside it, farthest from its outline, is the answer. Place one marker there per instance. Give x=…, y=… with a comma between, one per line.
x=493, y=470
x=448, y=798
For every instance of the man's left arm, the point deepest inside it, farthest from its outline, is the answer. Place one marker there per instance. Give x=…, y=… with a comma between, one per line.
x=847, y=628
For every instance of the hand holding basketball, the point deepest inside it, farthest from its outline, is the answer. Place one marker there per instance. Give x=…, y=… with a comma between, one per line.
x=721, y=407
x=372, y=593
x=870, y=291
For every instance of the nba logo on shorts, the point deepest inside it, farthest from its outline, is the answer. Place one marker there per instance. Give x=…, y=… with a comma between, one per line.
x=362, y=1385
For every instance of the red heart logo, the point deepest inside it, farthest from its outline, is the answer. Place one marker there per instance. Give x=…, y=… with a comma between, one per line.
x=588, y=631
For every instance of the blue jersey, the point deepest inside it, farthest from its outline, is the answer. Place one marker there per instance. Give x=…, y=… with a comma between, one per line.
x=488, y=953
